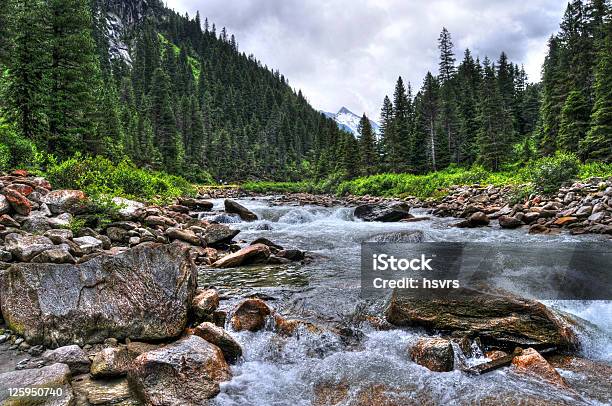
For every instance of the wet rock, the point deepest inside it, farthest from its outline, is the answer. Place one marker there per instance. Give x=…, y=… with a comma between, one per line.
x=61, y=201
x=234, y=207
x=251, y=314
x=144, y=293
x=509, y=222
x=71, y=355
x=530, y=217
x=102, y=392
x=330, y=393
x=205, y=303
x=291, y=254
x=183, y=235
x=289, y=327
x=435, y=354
x=411, y=236
x=186, y=372
x=542, y=229
x=55, y=256
x=232, y=351
x=196, y=204
x=55, y=376
x=110, y=362
x=564, y=221
x=26, y=247
x=478, y=219
x=393, y=212
x=500, y=319
x=530, y=362
x=496, y=354
x=18, y=202
x=219, y=234
x=274, y=248
x=252, y=254
x=88, y=244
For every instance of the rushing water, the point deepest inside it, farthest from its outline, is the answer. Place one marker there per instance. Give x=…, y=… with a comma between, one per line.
x=290, y=371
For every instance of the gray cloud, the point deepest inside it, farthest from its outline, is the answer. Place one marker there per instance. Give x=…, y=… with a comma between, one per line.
x=350, y=52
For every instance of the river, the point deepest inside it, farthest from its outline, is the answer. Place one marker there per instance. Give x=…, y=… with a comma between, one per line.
x=290, y=371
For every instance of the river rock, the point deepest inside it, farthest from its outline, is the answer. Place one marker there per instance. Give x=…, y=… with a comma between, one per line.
x=411, y=236
x=56, y=376
x=219, y=234
x=183, y=235
x=221, y=338
x=251, y=314
x=196, y=204
x=252, y=254
x=186, y=372
x=60, y=255
x=564, y=221
x=61, y=201
x=509, y=222
x=205, y=303
x=110, y=362
x=128, y=209
x=102, y=391
x=274, y=248
x=26, y=247
x=392, y=212
x=501, y=319
x=144, y=293
x=435, y=354
x=88, y=244
x=71, y=355
x=235, y=207
x=291, y=254
x=18, y=202
x=530, y=362
x=5, y=206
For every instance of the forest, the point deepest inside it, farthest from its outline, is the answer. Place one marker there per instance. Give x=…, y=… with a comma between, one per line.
x=188, y=102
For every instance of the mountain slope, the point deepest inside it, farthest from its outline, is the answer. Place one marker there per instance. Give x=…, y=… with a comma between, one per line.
x=349, y=121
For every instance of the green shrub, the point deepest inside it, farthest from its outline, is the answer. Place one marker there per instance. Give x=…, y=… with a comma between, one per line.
x=16, y=151
x=549, y=173
x=595, y=170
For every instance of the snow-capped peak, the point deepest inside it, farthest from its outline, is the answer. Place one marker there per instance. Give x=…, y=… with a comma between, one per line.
x=349, y=121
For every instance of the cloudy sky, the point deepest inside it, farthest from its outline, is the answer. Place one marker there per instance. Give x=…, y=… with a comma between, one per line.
x=350, y=52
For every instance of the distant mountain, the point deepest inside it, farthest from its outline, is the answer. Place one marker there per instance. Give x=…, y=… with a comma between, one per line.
x=349, y=121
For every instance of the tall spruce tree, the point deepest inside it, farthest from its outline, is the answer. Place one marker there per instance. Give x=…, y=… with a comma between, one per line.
x=367, y=147
x=387, y=133
x=402, y=118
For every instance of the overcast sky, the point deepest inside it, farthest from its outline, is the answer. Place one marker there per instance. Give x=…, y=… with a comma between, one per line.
x=350, y=52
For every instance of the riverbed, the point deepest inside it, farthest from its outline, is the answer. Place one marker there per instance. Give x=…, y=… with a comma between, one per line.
x=368, y=365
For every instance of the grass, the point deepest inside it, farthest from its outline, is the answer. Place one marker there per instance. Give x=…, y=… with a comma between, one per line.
x=194, y=64
x=435, y=184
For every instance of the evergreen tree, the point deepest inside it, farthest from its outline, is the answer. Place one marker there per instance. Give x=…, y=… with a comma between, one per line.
x=553, y=98
x=74, y=78
x=436, y=148
x=575, y=119
x=447, y=56
x=387, y=133
x=402, y=117
x=367, y=147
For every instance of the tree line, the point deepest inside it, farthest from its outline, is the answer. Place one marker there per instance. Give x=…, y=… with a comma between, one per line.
x=488, y=112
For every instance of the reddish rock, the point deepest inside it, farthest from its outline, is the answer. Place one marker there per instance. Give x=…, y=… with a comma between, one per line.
x=563, y=221
x=249, y=255
x=219, y=337
x=25, y=190
x=250, y=315
x=205, y=303
x=21, y=173
x=62, y=201
x=18, y=202
x=435, y=354
x=288, y=327
x=495, y=354
x=530, y=362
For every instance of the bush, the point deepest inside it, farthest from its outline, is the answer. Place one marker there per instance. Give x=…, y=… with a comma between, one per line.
x=16, y=151
x=550, y=173
x=100, y=178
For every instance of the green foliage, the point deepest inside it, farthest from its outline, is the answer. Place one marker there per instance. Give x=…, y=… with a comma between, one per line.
x=99, y=177
x=549, y=173
x=15, y=150
x=595, y=170
x=76, y=224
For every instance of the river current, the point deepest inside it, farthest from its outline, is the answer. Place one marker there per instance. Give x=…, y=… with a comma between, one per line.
x=299, y=369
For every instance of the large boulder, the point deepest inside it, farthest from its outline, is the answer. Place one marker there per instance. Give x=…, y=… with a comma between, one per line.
x=186, y=372
x=61, y=201
x=144, y=293
x=501, y=319
x=530, y=362
x=248, y=255
x=392, y=212
x=127, y=208
x=26, y=247
x=56, y=377
x=196, y=204
x=244, y=213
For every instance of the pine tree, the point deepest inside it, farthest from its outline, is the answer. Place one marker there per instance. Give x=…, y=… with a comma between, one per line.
x=447, y=56
x=402, y=117
x=436, y=148
x=28, y=89
x=597, y=145
x=74, y=77
x=575, y=120
x=553, y=98
x=468, y=82
x=7, y=10
x=367, y=147
x=387, y=133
